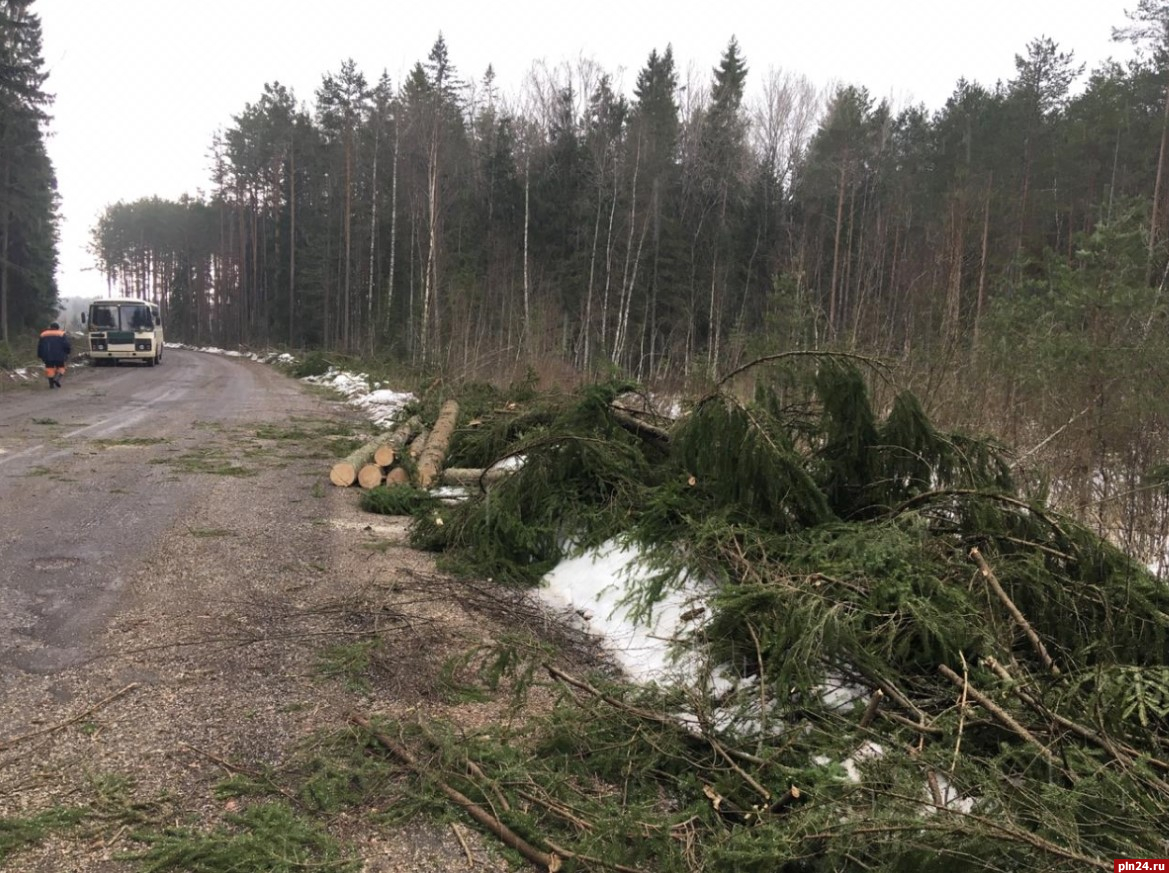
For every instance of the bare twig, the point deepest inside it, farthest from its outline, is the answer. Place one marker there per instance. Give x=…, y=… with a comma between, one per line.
x=1018, y=616
x=463, y=842
x=237, y=768
x=589, y=859
x=931, y=779
x=478, y=773
x=872, y=362
x=558, y=809
x=871, y=709
x=726, y=754
x=920, y=727
x=510, y=838
x=1003, y=717
x=9, y=743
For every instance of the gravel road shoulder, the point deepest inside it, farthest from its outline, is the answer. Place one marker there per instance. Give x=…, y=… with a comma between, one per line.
x=214, y=661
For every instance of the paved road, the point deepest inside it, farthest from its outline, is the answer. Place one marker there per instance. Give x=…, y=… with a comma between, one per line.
x=92, y=475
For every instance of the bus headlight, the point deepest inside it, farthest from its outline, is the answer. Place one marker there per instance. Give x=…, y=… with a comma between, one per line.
x=142, y=345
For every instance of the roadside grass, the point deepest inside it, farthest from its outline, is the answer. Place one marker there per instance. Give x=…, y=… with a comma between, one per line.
x=129, y=441
x=379, y=546
x=314, y=439
x=210, y=461
x=350, y=662
x=324, y=392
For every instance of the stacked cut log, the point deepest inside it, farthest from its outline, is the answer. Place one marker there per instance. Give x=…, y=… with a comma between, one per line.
x=400, y=475
x=431, y=458
x=378, y=461
x=367, y=465
x=473, y=476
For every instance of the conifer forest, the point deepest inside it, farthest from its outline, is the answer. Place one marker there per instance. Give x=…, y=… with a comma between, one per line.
x=926, y=456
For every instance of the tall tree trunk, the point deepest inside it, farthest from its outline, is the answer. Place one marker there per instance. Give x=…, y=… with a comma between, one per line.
x=582, y=355
x=954, y=284
x=608, y=265
x=5, y=221
x=369, y=320
x=1155, y=213
x=292, y=245
x=393, y=229
x=430, y=282
x=626, y=283
x=525, y=338
x=347, y=232
x=832, y=288
x=982, y=265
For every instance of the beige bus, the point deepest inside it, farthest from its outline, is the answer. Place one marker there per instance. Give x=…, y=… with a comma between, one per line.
x=124, y=329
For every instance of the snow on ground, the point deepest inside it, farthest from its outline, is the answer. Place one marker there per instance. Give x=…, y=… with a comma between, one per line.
x=596, y=587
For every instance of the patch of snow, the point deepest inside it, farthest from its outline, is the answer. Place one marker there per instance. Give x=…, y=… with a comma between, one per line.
x=595, y=587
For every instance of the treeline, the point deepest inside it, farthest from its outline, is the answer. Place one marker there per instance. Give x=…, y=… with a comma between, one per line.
x=678, y=229
x=28, y=199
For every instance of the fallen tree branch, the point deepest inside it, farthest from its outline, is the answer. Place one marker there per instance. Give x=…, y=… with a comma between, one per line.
x=9, y=743
x=647, y=715
x=871, y=709
x=875, y=363
x=1124, y=754
x=510, y=838
x=638, y=426
x=246, y=771
x=1004, y=718
x=1006, y=831
x=463, y=842
x=589, y=859
x=1021, y=620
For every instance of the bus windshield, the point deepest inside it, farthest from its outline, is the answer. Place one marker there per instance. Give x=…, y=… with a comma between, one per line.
x=120, y=316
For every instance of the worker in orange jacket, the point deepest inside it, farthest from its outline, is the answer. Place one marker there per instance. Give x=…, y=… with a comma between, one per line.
x=54, y=348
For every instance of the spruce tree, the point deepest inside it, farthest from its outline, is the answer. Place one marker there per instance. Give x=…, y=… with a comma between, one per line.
x=28, y=219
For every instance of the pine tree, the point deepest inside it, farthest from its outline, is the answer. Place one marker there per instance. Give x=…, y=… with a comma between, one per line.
x=28, y=249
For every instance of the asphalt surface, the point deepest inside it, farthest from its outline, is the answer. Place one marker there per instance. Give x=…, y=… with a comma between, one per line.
x=93, y=474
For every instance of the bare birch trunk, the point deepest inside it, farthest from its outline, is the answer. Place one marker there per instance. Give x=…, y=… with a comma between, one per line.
x=369, y=294
x=627, y=306
x=429, y=289
x=525, y=336
x=608, y=266
x=393, y=227
x=982, y=266
x=619, y=329
x=292, y=245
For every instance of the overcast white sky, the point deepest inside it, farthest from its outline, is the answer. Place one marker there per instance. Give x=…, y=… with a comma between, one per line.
x=142, y=85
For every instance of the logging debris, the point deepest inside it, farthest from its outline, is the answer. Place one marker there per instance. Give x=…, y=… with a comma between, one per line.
x=1008, y=668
